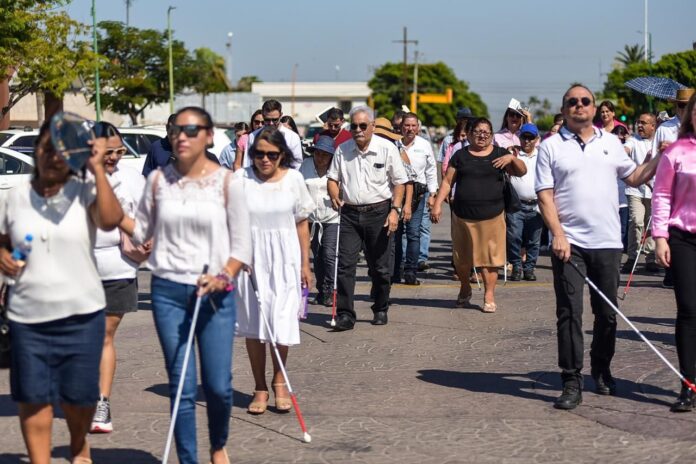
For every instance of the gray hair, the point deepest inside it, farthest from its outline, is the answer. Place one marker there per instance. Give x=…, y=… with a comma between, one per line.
x=363, y=109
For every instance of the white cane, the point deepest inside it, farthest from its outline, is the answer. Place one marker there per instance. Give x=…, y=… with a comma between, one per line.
x=335, y=280
x=180, y=387
x=635, y=263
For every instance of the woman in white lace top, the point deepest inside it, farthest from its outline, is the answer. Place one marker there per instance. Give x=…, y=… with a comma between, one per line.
x=194, y=212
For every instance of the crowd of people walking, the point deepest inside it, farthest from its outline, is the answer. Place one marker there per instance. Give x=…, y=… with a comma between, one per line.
x=261, y=215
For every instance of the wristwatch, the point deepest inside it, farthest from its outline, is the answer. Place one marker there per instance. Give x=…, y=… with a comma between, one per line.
x=397, y=209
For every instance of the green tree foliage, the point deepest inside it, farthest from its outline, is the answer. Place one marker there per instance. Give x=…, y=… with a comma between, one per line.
x=387, y=92
x=209, y=73
x=134, y=71
x=244, y=83
x=38, y=49
x=679, y=66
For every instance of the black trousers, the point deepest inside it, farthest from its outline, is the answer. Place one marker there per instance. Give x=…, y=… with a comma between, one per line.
x=602, y=268
x=364, y=225
x=683, y=251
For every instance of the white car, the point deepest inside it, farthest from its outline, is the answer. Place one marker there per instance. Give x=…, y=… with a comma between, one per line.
x=141, y=138
x=21, y=140
x=15, y=167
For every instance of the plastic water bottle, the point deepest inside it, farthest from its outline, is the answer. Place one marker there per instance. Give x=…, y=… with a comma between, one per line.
x=20, y=253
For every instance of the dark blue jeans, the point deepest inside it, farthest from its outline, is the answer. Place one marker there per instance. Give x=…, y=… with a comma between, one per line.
x=412, y=230
x=524, y=231
x=324, y=253
x=172, y=309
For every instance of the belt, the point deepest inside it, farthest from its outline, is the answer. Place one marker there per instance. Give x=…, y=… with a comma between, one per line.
x=529, y=202
x=370, y=207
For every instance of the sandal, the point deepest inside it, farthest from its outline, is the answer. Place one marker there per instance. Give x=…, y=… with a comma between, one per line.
x=463, y=301
x=281, y=404
x=489, y=307
x=258, y=406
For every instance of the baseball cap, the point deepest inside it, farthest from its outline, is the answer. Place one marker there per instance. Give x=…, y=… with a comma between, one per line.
x=529, y=128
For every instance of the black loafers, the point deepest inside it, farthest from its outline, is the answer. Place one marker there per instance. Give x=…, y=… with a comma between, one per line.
x=380, y=318
x=685, y=401
x=344, y=323
x=570, y=398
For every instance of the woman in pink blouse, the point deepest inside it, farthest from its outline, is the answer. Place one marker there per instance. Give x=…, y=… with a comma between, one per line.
x=674, y=232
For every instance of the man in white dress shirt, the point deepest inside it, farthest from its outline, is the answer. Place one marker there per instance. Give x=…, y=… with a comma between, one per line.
x=272, y=111
x=422, y=160
x=366, y=181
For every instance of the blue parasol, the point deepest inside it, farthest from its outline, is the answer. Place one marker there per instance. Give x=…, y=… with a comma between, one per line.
x=659, y=87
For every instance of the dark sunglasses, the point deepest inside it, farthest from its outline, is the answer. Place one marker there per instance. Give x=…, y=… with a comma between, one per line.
x=527, y=137
x=363, y=126
x=189, y=130
x=514, y=114
x=271, y=120
x=571, y=102
x=258, y=121
x=271, y=155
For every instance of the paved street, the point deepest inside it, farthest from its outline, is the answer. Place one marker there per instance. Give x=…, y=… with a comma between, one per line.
x=436, y=385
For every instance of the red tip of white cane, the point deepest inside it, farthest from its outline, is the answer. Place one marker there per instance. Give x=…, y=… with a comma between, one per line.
x=307, y=438
x=691, y=386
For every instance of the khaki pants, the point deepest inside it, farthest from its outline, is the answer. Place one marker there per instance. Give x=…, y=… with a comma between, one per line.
x=639, y=211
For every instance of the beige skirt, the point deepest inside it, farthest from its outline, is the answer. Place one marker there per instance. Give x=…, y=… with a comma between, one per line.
x=478, y=243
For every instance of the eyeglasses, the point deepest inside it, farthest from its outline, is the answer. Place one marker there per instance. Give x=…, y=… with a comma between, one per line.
x=527, y=137
x=116, y=151
x=571, y=102
x=271, y=120
x=189, y=130
x=257, y=122
x=514, y=114
x=643, y=123
x=271, y=155
x=334, y=125
x=482, y=134
x=363, y=126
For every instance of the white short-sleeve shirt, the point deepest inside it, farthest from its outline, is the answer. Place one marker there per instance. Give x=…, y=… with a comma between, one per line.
x=317, y=187
x=422, y=158
x=291, y=139
x=639, y=150
x=367, y=177
x=668, y=131
x=60, y=277
x=584, y=180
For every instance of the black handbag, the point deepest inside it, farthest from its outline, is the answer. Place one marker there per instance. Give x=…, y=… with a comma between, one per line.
x=5, y=358
x=512, y=200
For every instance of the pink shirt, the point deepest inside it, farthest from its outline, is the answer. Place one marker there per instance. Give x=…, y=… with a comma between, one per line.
x=242, y=142
x=505, y=139
x=673, y=200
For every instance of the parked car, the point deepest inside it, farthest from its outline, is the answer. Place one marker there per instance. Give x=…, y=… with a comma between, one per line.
x=141, y=138
x=21, y=140
x=14, y=168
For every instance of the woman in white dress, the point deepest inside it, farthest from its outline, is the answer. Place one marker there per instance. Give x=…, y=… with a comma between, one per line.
x=279, y=204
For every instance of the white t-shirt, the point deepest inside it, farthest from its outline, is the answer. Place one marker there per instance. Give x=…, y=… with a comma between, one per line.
x=60, y=278
x=317, y=187
x=192, y=224
x=367, y=177
x=524, y=186
x=420, y=153
x=639, y=150
x=584, y=185
x=668, y=131
x=128, y=185
x=291, y=139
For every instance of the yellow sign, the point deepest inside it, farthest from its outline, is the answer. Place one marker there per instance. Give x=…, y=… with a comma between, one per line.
x=437, y=98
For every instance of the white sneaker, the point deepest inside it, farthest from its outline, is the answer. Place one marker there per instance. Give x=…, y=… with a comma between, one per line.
x=101, y=423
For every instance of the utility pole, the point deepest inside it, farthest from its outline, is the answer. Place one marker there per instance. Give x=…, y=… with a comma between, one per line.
x=128, y=5
x=171, y=60
x=292, y=91
x=646, y=44
x=229, y=57
x=97, y=88
x=414, y=105
x=405, y=42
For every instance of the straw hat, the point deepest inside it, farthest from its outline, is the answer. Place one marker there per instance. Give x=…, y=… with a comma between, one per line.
x=384, y=127
x=683, y=95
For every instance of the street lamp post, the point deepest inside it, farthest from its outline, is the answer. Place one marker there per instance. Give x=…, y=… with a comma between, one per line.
x=97, y=89
x=229, y=57
x=171, y=60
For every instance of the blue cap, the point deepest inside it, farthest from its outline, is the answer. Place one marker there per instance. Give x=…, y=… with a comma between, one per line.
x=529, y=128
x=464, y=113
x=324, y=143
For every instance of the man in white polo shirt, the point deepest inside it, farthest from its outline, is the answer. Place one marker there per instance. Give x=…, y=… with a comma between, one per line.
x=422, y=160
x=366, y=181
x=576, y=174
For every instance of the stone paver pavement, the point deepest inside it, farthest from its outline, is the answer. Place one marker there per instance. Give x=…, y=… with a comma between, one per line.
x=436, y=385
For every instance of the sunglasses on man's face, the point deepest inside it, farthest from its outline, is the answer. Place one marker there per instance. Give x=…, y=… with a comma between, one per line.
x=527, y=137
x=189, y=130
x=573, y=102
x=271, y=155
x=362, y=126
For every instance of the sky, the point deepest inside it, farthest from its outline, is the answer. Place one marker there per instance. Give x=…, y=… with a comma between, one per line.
x=502, y=48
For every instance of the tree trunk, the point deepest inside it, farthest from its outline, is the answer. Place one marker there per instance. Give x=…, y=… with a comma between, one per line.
x=4, y=101
x=40, y=109
x=203, y=100
x=52, y=104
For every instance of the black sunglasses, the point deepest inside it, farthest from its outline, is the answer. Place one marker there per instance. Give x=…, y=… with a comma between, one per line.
x=271, y=155
x=527, y=137
x=271, y=120
x=571, y=102
x=258, y=121
x=363, y=126
x=189, y=130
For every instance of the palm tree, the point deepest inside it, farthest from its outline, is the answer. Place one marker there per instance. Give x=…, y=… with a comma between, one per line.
x=631, y=54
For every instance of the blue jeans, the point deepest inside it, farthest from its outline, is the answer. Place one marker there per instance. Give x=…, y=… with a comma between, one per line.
x=324, y=253
x=623, y=217
x=425, y=233
x=524, y=230
x=172, y=309
x=413, y=240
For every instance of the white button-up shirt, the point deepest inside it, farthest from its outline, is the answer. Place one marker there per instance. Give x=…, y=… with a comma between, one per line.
x=524, y=186
x=367, y=177
x=422, y=158
x=668, y=131
x=583, y=180
x=291, y=139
